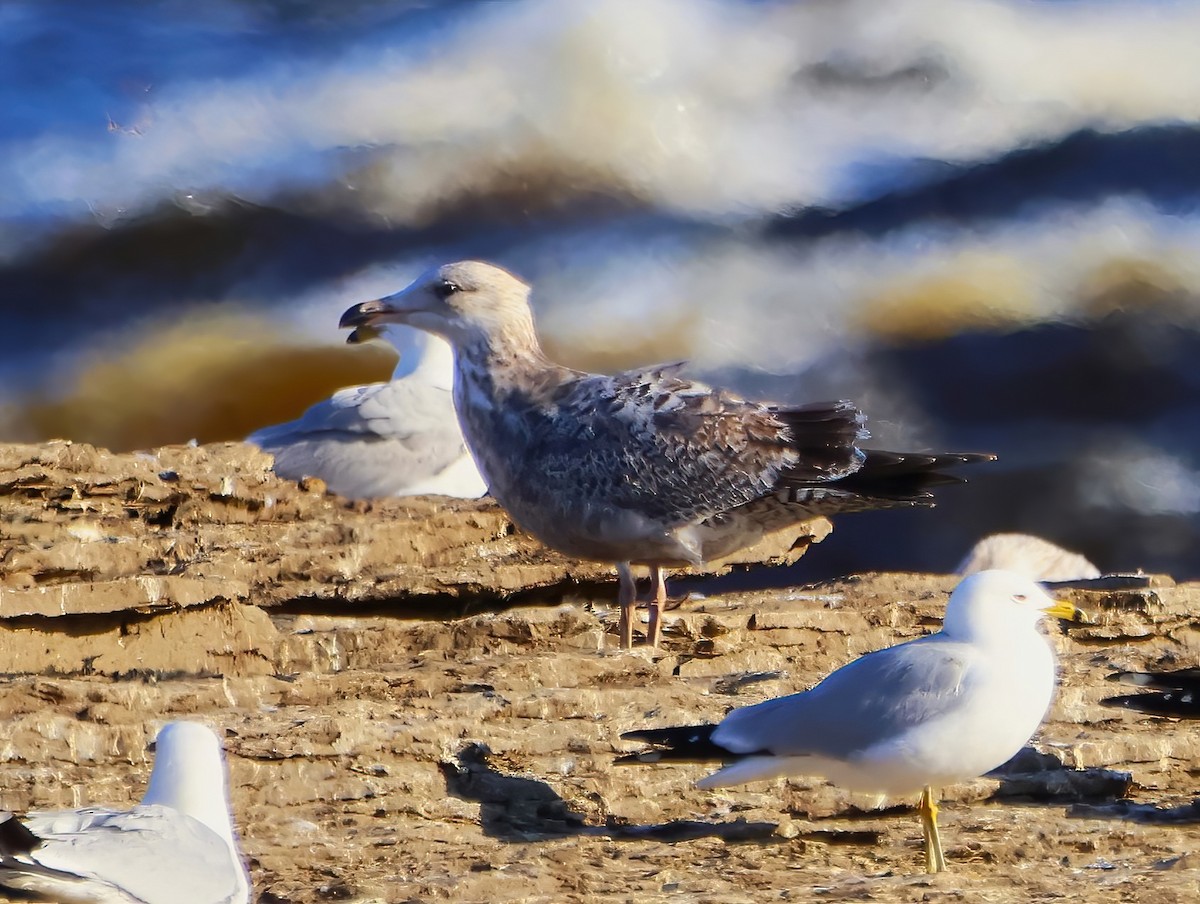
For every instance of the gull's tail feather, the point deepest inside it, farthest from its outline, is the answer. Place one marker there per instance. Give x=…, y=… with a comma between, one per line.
x=1178, y=696
x=907, y=478
x=683, y=744
x=826, y=434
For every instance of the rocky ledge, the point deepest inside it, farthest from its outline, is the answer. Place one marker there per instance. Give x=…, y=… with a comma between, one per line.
x=421, y=704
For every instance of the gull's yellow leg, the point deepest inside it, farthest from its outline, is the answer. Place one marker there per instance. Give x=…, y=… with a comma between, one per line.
x=627, y=600
x=659, y=578
x=935, y=861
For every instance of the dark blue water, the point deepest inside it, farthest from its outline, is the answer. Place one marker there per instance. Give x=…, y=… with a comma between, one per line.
x=990, y=243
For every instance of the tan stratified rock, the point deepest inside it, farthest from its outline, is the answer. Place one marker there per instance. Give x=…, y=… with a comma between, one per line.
x=86, y=530
x=395, y=734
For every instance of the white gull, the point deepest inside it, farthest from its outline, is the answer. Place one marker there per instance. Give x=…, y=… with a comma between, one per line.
x=937, y=710
x=645, y=466
x=399, y=438
x=1032, y=556
x=176, y=847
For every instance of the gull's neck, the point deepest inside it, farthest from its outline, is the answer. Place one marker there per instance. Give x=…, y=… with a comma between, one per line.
x=189, y=776
x=424, y=357
x=508, y=359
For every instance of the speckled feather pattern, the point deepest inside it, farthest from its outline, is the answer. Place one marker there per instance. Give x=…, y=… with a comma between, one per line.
x=602, y=462
x=670, y=448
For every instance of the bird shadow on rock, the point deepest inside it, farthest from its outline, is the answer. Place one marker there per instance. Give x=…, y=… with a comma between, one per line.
x=512, y=808
x=518, y=809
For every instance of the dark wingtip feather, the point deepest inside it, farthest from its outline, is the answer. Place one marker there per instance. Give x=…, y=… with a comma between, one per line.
x=826, y=436
x=1178, y=680
x=15, y=838
x=683, y=744
x=1178, y=704
x=966, y=458
x=907, y=478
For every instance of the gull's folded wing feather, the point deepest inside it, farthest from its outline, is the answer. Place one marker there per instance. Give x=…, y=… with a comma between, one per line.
x=873, y=699
x=393, y=410
x=672, y=449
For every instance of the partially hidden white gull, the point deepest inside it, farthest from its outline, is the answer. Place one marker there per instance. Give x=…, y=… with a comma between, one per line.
x=930, y=712
x=1032, y=556
x=176, y=847
x=399, y=438
x=645, y=466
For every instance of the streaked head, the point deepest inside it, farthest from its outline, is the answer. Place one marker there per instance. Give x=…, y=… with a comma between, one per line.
x=464, y=301
x=989, y=604
x=189, y=775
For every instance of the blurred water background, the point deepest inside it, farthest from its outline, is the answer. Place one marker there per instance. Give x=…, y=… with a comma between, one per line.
x=976, y=218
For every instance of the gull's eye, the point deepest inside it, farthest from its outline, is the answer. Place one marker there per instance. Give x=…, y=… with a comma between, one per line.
x=443, y=289
x=1020, y=597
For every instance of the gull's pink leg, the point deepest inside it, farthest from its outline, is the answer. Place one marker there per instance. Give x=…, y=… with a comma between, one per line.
x=627, y=600
x=658, y=577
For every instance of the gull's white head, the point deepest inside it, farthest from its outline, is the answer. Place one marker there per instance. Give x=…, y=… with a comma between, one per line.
x=1032, y=556
x=189, y=776
x=994, y=605
x=465, y=302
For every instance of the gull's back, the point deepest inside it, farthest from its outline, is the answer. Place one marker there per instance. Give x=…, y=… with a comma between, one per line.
x=399, y=438
x=375, y=441
x=150, y=854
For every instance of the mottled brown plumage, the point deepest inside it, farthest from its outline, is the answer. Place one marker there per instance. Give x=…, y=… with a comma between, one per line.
x=645, y=466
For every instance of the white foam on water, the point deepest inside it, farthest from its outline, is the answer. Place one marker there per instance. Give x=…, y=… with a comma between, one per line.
x=712, y=108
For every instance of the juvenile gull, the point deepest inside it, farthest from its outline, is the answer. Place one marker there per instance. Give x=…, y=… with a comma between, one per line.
x=175, y=847
x=646, y=466
x=399, y=438
x=1175, y=693
x=933, y=711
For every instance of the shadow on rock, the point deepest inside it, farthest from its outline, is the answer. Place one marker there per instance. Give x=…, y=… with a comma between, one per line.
x=1147, y=814
x=688, y=830
x=1043, y=778
x=513, y=808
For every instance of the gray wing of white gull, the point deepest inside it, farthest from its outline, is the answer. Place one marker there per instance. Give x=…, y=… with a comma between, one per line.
x=150, y=854
x=875, y=698
x=385, y=439
x=878, y=699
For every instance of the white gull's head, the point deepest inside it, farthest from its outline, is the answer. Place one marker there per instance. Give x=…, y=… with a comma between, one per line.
x=1032, y=556
x=994, y=606
x=189, y=776
x=464, y=302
